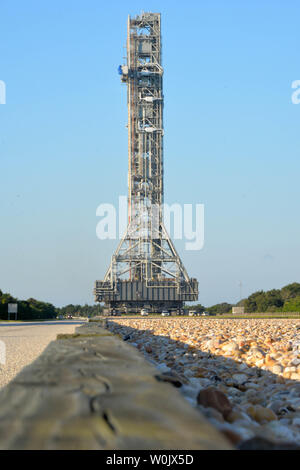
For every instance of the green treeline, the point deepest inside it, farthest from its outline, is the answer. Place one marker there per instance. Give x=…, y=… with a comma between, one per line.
x=286, y=299
x=217, y=309
x=30, y=309
x=33, y=309
x=80, y=310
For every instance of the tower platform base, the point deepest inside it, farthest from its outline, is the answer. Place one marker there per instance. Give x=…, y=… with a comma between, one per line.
x=156, y=296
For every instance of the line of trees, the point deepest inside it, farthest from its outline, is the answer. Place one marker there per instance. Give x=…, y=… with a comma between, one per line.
x=80, y=310
x=221, y=308
x=286, y=299
x=30, y=309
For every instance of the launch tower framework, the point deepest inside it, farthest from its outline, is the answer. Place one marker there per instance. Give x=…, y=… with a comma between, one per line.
x=146, y=270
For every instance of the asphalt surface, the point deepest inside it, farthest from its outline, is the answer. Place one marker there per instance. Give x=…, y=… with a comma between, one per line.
x=24, y=342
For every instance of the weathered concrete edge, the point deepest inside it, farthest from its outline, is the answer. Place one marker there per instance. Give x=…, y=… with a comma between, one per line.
x=91, y=390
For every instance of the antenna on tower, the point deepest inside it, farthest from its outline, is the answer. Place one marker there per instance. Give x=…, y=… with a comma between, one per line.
x=240, y=286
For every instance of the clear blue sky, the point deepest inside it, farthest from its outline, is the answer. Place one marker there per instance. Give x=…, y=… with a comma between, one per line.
x=231, y=140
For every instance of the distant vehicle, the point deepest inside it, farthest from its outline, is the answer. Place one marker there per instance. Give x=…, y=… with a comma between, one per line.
x=69, y=317
x=60, y=317
x=144, y=312
x=165, y=313
x=192, y=313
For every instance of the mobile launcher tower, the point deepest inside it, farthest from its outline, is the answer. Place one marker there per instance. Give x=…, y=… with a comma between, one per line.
x=145, y=271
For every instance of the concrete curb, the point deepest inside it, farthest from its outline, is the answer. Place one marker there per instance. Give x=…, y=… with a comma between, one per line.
x=91, y=390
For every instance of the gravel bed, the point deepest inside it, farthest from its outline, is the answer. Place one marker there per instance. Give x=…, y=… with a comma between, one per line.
x=243, y=375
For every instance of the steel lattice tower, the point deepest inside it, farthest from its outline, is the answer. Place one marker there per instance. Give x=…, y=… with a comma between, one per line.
x=145, y=269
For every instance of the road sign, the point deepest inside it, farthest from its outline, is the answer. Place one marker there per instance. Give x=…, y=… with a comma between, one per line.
x=12, y=308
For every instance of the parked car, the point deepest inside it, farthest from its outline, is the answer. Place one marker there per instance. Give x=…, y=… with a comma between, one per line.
x=192, y=313
x=144, y=312
x=69, y=317
x=165, y=313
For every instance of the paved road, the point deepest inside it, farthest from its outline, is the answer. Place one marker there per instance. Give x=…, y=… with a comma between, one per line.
x=25, y=341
